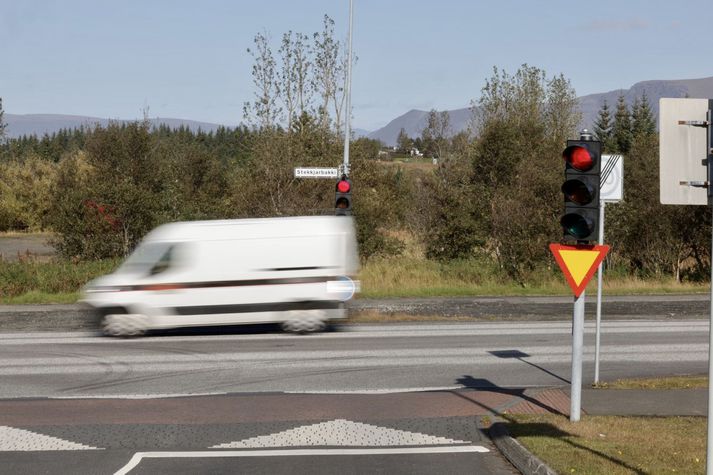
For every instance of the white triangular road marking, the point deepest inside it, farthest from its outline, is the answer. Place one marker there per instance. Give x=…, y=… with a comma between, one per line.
x=12, y=439
x=340, y=432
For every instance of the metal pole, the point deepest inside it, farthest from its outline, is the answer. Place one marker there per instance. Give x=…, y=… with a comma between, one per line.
x=577, y=343
x=709, y=442
x=600, y=270
x=348, y=116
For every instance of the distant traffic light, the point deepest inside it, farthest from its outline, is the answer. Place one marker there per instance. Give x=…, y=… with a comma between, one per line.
x=343, y=200
x=580, y=221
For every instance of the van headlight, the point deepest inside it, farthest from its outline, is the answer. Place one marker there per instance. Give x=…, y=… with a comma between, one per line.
x=344, y=288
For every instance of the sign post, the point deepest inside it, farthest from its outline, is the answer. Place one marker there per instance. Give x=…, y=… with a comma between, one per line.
x=578, y=263
x=611, y=191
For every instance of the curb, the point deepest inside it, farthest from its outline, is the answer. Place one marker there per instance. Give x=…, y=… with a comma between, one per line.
x=514, y=451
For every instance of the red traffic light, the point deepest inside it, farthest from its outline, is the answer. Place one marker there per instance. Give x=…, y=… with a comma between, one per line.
x=578, y=158
x=343, y=186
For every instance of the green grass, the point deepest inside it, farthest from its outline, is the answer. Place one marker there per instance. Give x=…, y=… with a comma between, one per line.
x=669, y=382
x=58, y=281
x=611, y=445
x=55, y=281
x=412, y=276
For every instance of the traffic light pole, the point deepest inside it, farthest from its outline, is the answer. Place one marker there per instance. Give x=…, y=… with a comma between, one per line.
x=348, y=114
x=577, y=351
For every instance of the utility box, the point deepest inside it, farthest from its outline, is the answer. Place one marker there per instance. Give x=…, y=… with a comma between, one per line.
x=682, y=151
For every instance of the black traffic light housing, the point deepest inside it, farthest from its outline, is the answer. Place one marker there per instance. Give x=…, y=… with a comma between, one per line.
x=343, y=199
x=583, y=161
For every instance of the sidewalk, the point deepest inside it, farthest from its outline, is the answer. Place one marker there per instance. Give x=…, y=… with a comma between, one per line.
x=611, y=402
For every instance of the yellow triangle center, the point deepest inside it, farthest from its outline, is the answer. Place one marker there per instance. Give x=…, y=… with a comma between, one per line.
x=579, y=262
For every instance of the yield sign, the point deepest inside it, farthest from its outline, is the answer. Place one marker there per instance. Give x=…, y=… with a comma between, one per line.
x=578, y=263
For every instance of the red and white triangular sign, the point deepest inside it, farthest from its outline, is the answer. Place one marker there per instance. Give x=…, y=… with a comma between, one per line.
x=578, y=263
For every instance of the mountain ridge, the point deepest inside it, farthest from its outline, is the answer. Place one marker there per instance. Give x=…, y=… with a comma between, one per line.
x=413, y=121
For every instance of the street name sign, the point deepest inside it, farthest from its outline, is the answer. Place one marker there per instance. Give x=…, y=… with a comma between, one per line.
x=578, y=263
x=316, y=172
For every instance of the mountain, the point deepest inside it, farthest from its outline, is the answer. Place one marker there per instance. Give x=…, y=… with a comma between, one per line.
x=414, y=121
x=40, y=124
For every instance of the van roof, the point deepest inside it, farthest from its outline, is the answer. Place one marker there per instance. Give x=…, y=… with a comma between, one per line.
x=253, y=228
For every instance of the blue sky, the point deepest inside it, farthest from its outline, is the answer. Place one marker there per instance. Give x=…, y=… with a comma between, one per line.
x=188, y=59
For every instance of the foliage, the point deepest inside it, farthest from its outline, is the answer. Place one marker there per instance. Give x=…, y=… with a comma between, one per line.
x=524, y=121
x=25, y=193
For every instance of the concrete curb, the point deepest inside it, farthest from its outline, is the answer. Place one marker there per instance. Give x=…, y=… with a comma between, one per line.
x=514, y=451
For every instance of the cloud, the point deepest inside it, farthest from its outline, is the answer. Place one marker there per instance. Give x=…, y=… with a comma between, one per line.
x=617, y=25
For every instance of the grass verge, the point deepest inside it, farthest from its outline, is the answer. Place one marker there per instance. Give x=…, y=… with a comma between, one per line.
x=670, y=382
x=38, y=281
x=611, y=445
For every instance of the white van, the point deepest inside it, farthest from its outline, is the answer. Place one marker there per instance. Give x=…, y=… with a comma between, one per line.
x=294, y=271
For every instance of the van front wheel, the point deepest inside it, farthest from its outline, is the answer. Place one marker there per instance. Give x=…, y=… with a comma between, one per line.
x=305, y=323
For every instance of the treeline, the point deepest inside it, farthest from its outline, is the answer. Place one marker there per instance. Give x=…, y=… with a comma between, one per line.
x=495, y=192
x=103, y=190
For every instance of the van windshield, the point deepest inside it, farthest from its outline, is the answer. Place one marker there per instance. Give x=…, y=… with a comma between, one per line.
x=146, y=257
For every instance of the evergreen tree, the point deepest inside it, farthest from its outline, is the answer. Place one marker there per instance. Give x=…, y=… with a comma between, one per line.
x=403, y=141
x=603, y=128
x=621, y=131
x=642, y=118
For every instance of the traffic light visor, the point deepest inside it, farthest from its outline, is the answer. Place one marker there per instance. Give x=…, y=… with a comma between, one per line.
x=578, y=158
x=577, y=225
x=343, y=186
x=578, y=192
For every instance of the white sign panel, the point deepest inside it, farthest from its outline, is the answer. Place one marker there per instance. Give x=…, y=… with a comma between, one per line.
x=682, y=151
x=316, y=173
x=612, y=189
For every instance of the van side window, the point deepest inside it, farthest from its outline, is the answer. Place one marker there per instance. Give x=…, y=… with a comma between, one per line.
x=165, y=262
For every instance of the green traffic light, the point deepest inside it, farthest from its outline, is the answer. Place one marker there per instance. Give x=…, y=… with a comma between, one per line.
x=577, y=225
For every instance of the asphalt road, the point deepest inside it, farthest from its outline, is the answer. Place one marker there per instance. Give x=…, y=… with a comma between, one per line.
x=401, y=398
x=362, y=358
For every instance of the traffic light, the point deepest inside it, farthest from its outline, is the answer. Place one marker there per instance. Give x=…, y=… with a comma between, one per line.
x=343, y=200
x=580, y=221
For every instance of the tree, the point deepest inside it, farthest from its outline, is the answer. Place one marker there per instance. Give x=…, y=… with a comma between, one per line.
x=329, y=74
x=621, y=129
x=642, y=118
x=294, y=75
x=3, y=125
x=403, y=141
x=603, y=128
x=436, y=133
x=264, y=110
x=523, y=121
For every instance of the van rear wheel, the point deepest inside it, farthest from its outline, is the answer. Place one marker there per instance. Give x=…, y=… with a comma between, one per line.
x=126, y=325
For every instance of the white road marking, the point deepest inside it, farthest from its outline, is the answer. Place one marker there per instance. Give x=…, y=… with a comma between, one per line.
x=377, y=391
x=12, y=439
x=382, y=331
x=339, y=432
x=319, y=359
x=136, y=459
x=137, y=396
